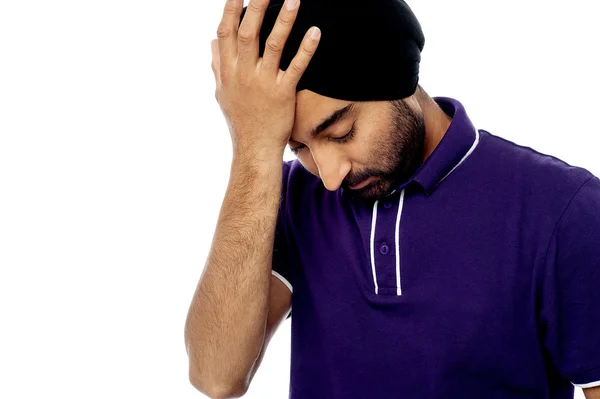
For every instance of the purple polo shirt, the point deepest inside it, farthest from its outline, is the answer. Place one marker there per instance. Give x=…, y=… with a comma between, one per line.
x=478, y=277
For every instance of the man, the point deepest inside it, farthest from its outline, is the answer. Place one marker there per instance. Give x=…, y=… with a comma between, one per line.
x=427, y=258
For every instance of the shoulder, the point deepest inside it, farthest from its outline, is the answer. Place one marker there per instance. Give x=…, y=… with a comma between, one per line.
x=529, y=169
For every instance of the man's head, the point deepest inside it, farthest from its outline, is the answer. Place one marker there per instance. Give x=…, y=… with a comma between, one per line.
x=368, y=50
x=346, y=142
x=368, y=59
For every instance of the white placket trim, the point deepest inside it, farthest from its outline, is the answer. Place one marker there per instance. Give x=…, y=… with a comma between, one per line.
x=397, y=239
x=400, y=205
x=373, y=224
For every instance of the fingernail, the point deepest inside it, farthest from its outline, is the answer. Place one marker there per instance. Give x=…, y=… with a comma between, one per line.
x=316, y=32
x=291, y=4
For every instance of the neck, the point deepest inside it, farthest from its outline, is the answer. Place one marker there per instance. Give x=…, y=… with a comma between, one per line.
x=436, y=125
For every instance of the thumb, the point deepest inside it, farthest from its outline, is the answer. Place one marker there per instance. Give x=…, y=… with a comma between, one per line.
x=215, y=65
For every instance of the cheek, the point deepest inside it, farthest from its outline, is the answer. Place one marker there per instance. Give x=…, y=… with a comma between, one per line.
x=372, y=152
x=366, y=149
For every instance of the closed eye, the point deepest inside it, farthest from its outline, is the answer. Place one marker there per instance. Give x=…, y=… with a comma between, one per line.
x=342, y=139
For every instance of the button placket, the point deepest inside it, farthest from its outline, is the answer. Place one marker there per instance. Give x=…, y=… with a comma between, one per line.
x=384, y=249
x=384, y=245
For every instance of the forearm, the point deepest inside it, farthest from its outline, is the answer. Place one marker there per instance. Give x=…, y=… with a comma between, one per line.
x=226, y=322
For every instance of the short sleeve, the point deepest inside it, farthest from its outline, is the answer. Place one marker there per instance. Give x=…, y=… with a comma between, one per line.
x=281, y=267
x=570, y=299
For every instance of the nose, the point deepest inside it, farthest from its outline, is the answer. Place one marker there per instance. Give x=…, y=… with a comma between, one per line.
x=332, y=169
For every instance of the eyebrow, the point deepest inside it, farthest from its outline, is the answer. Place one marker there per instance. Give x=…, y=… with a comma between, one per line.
x=332, y=119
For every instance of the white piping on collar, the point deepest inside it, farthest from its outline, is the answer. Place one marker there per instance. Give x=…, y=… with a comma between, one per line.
x=463, y=158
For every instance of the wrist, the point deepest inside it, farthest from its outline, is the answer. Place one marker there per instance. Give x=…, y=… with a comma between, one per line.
x=262, y=154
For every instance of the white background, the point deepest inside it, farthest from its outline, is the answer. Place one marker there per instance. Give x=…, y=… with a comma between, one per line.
x=114, y=159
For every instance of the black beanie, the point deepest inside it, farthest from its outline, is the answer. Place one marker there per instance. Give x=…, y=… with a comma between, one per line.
x=369, y=50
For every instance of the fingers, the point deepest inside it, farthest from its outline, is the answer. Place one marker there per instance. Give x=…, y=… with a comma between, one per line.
x=215, y=65
x=300, y=62
x=227, y=32
x=249, y=31
x=279, y=35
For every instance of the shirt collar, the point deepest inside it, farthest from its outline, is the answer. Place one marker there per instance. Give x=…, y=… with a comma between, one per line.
x=456, y=145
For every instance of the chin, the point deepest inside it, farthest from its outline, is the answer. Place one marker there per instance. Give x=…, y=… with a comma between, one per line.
x=374, y=191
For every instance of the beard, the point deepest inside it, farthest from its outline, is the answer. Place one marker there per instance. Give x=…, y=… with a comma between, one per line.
x=397, y=155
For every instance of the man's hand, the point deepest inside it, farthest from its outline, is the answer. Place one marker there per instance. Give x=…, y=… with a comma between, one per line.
x=256, y=97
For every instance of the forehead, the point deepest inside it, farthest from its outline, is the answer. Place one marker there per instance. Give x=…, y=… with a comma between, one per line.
x=311, y=109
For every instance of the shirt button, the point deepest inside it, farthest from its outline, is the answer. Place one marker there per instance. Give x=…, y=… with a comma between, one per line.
x=384, y=249
x=387, y=204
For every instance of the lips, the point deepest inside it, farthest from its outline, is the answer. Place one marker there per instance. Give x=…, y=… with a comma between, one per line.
x=361, y=184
